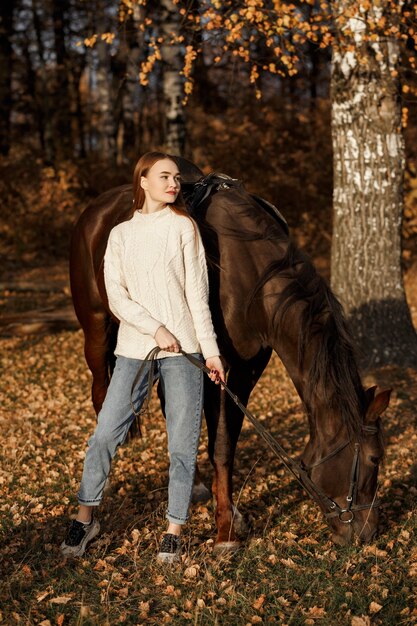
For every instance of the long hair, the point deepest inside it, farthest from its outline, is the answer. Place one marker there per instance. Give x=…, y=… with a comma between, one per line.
x=141, y=169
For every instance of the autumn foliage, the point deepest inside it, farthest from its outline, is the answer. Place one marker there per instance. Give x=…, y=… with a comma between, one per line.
x=288, y=571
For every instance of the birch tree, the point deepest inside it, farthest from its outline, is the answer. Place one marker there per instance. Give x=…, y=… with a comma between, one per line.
x=369, y=163
x=107, y=136
x=130, y=52
x=173, y=83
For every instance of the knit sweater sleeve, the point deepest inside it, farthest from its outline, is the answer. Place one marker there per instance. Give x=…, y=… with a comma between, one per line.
x=197, y=292
x=120, y=302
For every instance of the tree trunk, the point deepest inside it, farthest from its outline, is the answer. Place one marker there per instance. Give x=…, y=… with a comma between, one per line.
x=63, y=127
x=107, y=134
x=45, y=110
x=369, y=163
x=77, y=112
x=173, y=83
x=6, y=31
x=129, y=57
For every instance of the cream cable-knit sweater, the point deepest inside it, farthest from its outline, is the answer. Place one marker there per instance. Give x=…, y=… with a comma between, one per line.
x=155, y=274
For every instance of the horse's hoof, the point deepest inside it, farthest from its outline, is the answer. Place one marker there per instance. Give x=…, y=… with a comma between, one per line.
x=240, y=526
x=200, y=494
x=226, y=547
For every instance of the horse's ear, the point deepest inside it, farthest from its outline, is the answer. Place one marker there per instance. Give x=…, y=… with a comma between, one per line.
x=190, y=173
x=370, y=394
x=378, y=405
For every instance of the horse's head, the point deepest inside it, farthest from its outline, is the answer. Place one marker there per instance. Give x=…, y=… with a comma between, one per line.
x=346, y=478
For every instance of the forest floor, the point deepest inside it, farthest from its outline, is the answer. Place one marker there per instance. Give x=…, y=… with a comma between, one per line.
x=288, y=572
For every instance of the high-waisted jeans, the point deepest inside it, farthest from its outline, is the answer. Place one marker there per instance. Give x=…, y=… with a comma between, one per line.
x=182, y=385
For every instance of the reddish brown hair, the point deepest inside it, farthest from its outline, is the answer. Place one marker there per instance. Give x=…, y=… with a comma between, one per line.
x=142, y=168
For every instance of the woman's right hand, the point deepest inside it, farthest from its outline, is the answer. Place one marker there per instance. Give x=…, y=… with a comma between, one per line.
x=215, y=365
x=166, y=340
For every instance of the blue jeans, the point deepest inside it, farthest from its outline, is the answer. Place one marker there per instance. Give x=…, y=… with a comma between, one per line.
x=182, y=385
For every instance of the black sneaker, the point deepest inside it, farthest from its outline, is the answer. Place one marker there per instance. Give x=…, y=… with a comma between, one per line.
x=169, y=550
x=79, y=535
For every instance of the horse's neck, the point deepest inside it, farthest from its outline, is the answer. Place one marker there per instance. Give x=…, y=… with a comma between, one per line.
x=327, y=434
x=326, y=425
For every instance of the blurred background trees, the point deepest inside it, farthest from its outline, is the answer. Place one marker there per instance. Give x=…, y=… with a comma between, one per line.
x=237, y=86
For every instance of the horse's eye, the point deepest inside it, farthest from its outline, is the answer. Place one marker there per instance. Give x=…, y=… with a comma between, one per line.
x=374, y=460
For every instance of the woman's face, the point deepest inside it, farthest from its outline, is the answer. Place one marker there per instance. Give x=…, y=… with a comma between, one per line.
x=162, y=182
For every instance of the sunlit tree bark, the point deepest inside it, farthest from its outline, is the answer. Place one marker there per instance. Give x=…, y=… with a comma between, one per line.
x=107, y=133
x=173, y=83
x=130, y=55
x=368, y=196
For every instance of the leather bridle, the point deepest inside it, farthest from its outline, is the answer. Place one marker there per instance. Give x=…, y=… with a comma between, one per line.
x=300, y=471
x=346, y=515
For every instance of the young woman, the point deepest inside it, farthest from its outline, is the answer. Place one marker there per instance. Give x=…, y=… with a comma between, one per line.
x=156, y=281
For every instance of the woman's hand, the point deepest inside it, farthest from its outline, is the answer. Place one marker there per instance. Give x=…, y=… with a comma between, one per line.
x=166, y=340
x=216, y=368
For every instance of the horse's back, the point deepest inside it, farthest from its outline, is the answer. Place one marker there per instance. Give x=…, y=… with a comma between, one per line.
x=88, y=245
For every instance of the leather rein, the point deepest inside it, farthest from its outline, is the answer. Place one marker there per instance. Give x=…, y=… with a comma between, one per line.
x=300, y=471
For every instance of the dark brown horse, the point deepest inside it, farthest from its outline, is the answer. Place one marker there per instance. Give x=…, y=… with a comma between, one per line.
x=264, y=295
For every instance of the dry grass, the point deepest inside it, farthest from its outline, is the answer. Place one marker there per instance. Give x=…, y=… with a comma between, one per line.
x=287, y=572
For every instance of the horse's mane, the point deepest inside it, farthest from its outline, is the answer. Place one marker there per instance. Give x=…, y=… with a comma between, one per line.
x=332, y=373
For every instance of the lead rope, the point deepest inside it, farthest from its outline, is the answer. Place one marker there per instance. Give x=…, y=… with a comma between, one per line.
x=151, y=356
x=299, y=472
x=292, y=466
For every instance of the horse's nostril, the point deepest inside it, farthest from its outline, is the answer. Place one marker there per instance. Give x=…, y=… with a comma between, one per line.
x=366, y=532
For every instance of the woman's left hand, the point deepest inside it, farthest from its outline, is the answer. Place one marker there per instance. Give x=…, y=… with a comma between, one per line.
x=216, y=368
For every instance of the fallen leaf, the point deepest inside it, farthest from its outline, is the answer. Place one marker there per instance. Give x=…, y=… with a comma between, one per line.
x=289, y=563
x=27, y=571
x=374, y=551
x=144, y=607
x=60, y=600
x=259, y=602
x=364, y=620
x=192, y=571
x=290, y=535
x=316, y=612
x=374, y=607
x=41, y=596
x=413, y=570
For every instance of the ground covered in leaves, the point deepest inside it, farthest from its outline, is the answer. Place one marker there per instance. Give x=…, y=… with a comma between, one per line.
x=287, y=572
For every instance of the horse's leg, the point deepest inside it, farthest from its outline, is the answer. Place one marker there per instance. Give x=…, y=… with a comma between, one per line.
x=200, y=492
x=224, y=423
x=99, y=337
